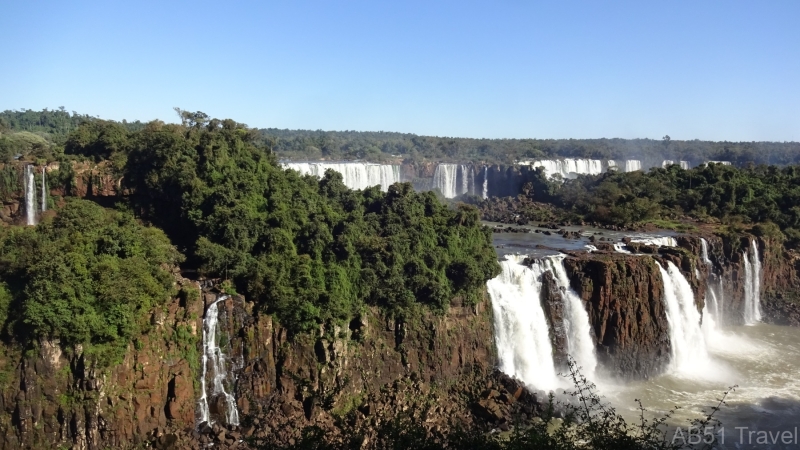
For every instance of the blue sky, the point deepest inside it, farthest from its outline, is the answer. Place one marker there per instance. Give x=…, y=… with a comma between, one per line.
x=720, y=70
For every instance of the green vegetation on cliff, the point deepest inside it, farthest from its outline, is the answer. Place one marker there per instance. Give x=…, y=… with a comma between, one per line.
x=709, y=193
x=308, y=250
x=89, y=277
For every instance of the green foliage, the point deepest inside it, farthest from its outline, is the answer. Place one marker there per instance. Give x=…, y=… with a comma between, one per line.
x=306, y=249
x=87, y=277
x=738, y=198
x=381, y=146
x=99, y=139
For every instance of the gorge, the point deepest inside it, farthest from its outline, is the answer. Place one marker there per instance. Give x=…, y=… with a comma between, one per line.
x=301, y=303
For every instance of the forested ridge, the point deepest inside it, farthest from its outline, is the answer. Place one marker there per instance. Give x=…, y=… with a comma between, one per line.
x=388, y=146
x=768, y=196
x=26, y=131
x=306, y=250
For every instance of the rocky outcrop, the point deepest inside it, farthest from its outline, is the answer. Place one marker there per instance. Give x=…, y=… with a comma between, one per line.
x=366, y=370
x=624, y=298
x=52, y=397
x=553, y=306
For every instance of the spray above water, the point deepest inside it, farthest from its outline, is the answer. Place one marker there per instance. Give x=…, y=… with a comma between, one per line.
x=213, y=356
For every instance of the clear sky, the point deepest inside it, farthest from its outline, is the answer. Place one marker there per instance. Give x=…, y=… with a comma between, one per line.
x=719, y=70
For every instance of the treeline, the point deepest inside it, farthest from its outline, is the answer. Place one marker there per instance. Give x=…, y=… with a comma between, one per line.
x=711, y=193
x=42, y=134
x=387, y=146
x=306, y=250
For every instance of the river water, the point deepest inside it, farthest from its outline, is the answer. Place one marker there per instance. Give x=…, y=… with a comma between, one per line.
x=763, y=360
x=763, y=412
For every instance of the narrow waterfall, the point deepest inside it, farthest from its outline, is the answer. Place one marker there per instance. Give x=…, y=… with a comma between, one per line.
x=752, y=286
x=213, y=355
x=576, y=320
x=521, y=332
x=715, y=296
x=30, y=195
x=354, y=175
x=467, y=179
x=686, y=337
x=486, y=182
x=44, y=191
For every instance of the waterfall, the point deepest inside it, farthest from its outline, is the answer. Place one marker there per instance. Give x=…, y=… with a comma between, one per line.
x=213, y=354
x=576, y=320
x=354, y=175
x=632, y=165
x=752, y=286
x=686, y=337
x=661, y=241
x=44, y=191
x=521, y=333
x=619, y=247
x=30, y=196
x=486, y=182
x=715, y=293
x=447, y=176
x=568, y=168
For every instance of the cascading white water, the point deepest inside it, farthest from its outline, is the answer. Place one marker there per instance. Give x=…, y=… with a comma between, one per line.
x=752, y=286
x=665, y=241
x=715, y=299
x=30, y=196
x=486, y=182
x=580, y=344
x=446, y=178
x=687, y=339
x=632, y=165
x=354, y=175
x=619, y=247
x=467, y=179
x=568, y=168
x=521, y=332
x=668, y=162
x=44, y=191
x=213, y=354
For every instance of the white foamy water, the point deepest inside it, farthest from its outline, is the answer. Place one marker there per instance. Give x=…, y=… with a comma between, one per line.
x=576, y=320
x=763, y=360
x=453, y=180
x=752, y=285
x=30, y=196
x=668, y=162
x=664, y=241
x=213, y=356
x=632, y=165
x=486, y=182
x=521, y=333
x=688, y=345
x=44, y=191
x=355, y=175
